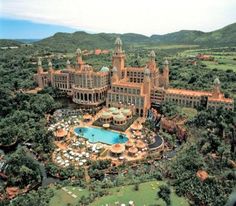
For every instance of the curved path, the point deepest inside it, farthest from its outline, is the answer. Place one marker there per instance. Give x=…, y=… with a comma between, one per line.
x=158, y=142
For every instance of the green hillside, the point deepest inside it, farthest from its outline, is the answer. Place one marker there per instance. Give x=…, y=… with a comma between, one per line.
x=182, y=37
x=222, y=37
x=69, y=42
x=9, y=43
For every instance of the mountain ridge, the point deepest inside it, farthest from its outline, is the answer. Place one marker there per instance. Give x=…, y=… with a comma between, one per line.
x=225, y=36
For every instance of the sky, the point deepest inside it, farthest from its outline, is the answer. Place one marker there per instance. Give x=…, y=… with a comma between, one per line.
x=42, y=18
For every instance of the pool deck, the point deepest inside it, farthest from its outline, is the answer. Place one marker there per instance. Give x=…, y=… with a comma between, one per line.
x=72, y=137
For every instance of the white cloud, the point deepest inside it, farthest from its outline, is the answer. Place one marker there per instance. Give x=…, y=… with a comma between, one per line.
x=121, y=16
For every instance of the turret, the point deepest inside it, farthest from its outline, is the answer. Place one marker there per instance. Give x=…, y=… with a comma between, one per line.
x=152, y=56
x=50, y=69
x=216, y=90
x=153, y=69
x=118, y=58
x=166, y=74
x=68, y=64
x=152, y=62
x=40, y=68
x=79, y=58
x=118, y=45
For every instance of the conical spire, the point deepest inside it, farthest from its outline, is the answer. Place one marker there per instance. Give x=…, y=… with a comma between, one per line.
x=49, y=64
x=118, y=41
x=166, y=62
x=78, y=51
x=40, y=68
x=152, y=55
x=217, y=81
x=118, y=45
x=39, y=62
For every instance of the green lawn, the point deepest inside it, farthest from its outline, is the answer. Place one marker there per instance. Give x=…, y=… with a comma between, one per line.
x=62, y=198
x=225, y=66
x=146, y=195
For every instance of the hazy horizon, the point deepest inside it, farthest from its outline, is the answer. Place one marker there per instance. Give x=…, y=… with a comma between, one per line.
x=27, y=19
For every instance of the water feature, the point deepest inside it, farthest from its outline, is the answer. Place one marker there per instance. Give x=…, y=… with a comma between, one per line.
x=100, y=135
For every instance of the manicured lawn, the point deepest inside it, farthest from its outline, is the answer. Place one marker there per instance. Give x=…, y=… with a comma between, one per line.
x=146, y=195
x=62, y=198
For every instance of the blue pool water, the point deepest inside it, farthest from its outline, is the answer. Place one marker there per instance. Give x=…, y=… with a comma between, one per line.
x=100, y=135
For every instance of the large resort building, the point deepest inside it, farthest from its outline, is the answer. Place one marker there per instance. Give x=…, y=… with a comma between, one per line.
x=130, y=87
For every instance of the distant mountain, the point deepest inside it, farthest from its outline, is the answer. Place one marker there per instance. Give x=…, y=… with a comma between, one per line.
x=183, y=37
x=9, y=43
x=27, y=41
x=70, y=41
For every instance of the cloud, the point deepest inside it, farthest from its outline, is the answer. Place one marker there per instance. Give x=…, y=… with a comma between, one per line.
x=137, y=16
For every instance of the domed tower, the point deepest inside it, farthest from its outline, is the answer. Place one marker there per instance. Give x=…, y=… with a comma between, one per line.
x=166, y=74
x=153, y=69
x=216, y=90
x=79, y=60
x=40, y=68
x=118, y=58
x=114, y=77
x=152, y=62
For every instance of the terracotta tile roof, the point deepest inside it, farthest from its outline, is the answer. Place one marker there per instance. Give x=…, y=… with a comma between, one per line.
x=221, y=99
x=188, y=92
x=128, y=84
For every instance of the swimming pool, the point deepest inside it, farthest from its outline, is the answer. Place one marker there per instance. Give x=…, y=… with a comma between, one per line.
x=100, y=135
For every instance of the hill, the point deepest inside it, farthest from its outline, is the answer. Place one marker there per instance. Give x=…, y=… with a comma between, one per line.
x=182, y=37
x=9, y=43
x=70, y=41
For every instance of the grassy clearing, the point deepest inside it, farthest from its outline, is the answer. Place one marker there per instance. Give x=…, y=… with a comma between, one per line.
x=62, y=198
x=223, y=60
x=146, y=195
x=222, y=66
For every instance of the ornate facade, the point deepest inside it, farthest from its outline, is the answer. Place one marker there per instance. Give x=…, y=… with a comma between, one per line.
x=130, y=87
